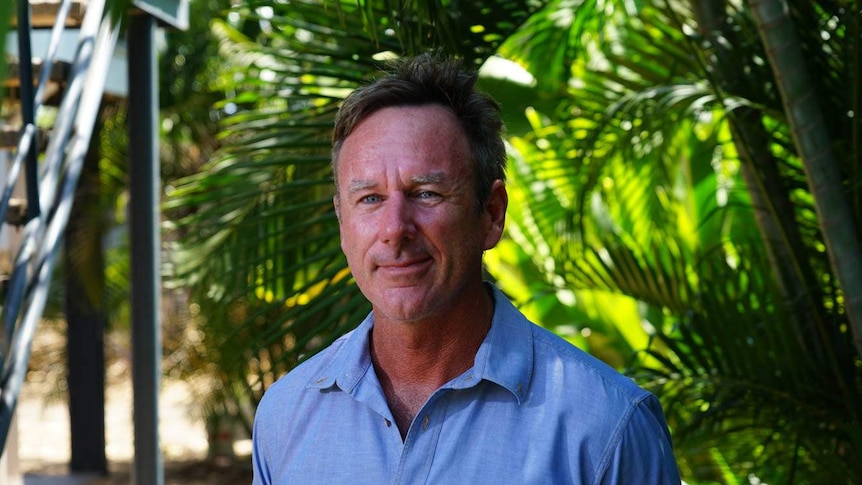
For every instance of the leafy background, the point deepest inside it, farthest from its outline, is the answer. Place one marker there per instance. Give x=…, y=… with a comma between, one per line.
x=667, y=212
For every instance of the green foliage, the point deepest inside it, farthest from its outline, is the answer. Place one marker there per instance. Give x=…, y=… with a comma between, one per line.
x=257, y=237
x=660, y=215
x=633, y=186
x=258, y=222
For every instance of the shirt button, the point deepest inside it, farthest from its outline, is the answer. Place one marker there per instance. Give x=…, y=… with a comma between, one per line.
x=388, y=423
x=425, y=423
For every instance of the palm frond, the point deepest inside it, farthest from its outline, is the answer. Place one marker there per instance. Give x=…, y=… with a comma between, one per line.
x=257, y=238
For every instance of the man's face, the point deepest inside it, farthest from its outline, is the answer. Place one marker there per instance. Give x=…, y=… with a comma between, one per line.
x=408, y=214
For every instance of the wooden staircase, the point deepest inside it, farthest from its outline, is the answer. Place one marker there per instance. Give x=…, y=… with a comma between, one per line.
x=37, y=196
x=37, y=193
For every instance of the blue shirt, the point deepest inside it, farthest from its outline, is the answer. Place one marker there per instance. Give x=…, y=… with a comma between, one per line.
x=533, y=409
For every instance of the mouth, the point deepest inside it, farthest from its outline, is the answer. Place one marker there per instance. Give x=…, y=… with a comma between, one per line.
x=407, y=268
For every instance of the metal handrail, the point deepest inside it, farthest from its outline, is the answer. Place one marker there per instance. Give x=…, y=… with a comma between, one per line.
x=25, y=143
x=51, y=53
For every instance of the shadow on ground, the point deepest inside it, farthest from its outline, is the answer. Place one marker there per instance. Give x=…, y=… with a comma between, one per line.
x=176, y=473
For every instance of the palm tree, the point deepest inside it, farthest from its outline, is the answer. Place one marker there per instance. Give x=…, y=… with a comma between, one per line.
x=712, y=288
x=663, y=202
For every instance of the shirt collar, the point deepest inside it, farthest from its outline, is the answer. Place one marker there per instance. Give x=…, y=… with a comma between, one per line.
x=351, y=359
x=505, y=356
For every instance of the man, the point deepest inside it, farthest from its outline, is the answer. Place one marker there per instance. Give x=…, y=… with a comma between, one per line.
x=445, y=382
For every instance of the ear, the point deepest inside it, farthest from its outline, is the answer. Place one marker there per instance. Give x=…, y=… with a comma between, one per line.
x=495, y=213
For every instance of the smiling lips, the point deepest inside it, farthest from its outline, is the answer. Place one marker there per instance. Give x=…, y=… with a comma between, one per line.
x=403, y=269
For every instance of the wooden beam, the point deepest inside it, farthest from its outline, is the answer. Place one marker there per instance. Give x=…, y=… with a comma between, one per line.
x=43, y=13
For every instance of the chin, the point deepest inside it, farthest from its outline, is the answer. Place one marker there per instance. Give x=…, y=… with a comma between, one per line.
x=401, y=314
x=399, y=299
x=403, y=311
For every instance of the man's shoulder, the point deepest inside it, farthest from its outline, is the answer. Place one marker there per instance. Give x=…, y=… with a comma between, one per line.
x=557, y=363
x=299, y=378
x=580, y=369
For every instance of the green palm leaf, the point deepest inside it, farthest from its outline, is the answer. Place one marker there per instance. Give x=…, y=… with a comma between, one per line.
x=258, y=239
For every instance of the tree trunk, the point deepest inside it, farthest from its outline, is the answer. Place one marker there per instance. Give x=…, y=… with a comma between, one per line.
x=813, y=144
x=85, y=315
x=770, y=198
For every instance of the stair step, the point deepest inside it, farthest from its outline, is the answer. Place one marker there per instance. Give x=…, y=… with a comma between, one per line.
x=44, y=12
x=9, y=136
x=16, y=215
x=60, y=71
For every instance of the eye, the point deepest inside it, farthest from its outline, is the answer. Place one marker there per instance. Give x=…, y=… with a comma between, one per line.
x=370, y=199
x=427, y=195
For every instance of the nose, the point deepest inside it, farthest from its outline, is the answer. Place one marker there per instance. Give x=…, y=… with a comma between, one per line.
x=397, y=222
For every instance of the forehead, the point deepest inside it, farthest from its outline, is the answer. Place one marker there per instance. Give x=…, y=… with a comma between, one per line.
x=415, y=139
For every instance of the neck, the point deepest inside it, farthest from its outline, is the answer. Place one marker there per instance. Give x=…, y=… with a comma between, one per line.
x=413, y=359
x=435, y=350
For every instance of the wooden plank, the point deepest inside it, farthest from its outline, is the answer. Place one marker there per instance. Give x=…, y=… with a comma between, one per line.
x=43, y=13
x=9, y=137
x=59, y=72
x=10, y=134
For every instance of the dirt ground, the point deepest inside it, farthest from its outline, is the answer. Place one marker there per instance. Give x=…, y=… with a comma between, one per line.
x=44, y=450
x=43, y=445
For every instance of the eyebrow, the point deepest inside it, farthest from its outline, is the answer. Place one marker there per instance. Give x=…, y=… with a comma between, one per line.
x=360, y=185
x=431, y=178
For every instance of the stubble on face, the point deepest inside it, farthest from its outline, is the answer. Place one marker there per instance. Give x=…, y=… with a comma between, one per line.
x=409, y=225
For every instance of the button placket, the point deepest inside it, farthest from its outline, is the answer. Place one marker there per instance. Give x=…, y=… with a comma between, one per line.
x=420, y=446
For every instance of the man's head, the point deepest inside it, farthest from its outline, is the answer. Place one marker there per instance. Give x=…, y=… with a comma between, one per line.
x=432, y=79
x=415, y=209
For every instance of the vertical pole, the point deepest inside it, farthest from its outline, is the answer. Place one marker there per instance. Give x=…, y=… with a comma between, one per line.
x=85, y=317
x=28, y=107
x=144, y=235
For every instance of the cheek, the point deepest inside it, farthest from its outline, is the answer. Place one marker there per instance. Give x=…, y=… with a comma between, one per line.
x=354, y=237
x=462, y=240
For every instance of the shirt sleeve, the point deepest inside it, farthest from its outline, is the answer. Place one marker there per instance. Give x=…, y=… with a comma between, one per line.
x=643, y=453
x=261, y=475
